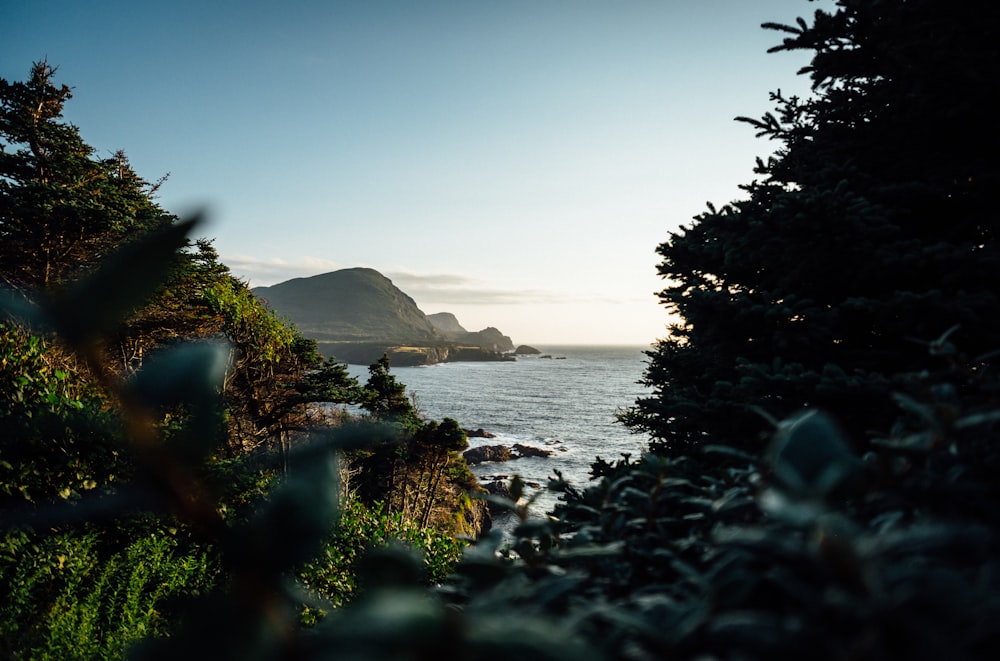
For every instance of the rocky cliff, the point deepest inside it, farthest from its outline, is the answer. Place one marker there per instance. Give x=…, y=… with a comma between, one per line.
x=358, y=314
x=446, y=322
x=489, y=338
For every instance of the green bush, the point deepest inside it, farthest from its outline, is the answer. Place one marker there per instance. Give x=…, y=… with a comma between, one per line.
x=59, y=438
x=333, y=575
x=69, y=597
x=808, y=550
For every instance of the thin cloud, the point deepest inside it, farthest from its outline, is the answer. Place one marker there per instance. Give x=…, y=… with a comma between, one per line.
x=614, y=300
x=449, y=288
x=461, y=289
x=265, y=271
x=443, y=280
x=425, y=288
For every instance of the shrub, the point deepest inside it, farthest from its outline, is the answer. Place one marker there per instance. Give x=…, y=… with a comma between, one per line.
x=333, y=574
x=67, y=596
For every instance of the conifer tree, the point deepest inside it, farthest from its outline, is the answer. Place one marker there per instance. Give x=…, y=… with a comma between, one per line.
x=387, y=400
x=61, y=207
x=871, y=233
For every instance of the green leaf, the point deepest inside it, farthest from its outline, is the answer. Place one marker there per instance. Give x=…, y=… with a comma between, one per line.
x=523, y=636
x=387, y=624
x=389, y=567
x=920, y=442
x=19, y=309
x=191, y=375
x=922, y=411
x=290, y=527
x=810, y=455
x=122, y=283
x=725, y=450
x=591, y=551
x=187, y=373
x=533, y=528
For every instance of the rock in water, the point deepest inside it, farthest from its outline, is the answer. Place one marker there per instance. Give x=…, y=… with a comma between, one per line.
x=520, y=451
x=487, y=453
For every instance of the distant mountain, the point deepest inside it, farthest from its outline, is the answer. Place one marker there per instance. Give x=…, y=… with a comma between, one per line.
x=358, y=314
x=358, y=304
x=488, y=338
x=446, y=322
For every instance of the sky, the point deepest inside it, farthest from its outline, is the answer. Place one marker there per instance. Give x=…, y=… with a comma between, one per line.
x=515, y=163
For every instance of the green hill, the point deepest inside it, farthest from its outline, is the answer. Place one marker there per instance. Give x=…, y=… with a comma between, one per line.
x=357, y=315
x=350, y=305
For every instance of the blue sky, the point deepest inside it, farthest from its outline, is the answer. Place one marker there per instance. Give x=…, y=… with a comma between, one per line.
x=515, y=163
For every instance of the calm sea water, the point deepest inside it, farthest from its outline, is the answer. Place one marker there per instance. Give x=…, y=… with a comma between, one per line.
x=566, y=404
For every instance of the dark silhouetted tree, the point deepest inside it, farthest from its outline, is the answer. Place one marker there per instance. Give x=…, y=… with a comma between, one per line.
x=871, y=232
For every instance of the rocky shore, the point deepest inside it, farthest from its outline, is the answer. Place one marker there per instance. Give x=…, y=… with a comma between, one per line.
x=499, y=484
x=501, y=453
x=366, y=353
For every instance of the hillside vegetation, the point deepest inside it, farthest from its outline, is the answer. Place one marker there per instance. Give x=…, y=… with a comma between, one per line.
x=357, y=304
x=357, y=314
x=821, y=480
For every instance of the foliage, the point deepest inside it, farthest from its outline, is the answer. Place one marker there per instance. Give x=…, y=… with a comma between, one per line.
x=362, y=529
x=61, y=210
x=265, y=360
x=168, y=475
x=180, y=308
x=386, y=397
x=412, y=465
x=869, y=230
x=57, y=440
x=141, y=323
x=254, y=611
x=805, y=551
x=417, y=468
x=330, y=381
x=69, y=596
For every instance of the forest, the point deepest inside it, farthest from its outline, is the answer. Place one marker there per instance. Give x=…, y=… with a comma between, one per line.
x=820, y=475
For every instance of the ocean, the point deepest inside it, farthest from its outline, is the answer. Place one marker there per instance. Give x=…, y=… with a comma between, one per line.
x=566, y=404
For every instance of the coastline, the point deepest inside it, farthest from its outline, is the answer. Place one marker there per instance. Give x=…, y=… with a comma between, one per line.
x=409, y=355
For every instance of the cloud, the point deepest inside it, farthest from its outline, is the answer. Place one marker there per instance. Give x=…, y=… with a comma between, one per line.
x=265, y=271
x=425, y=288
x=451, y=288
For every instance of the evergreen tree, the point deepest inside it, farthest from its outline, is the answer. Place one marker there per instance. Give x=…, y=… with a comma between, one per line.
x=871, y=233
x=386, y=400
x=61, y=209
